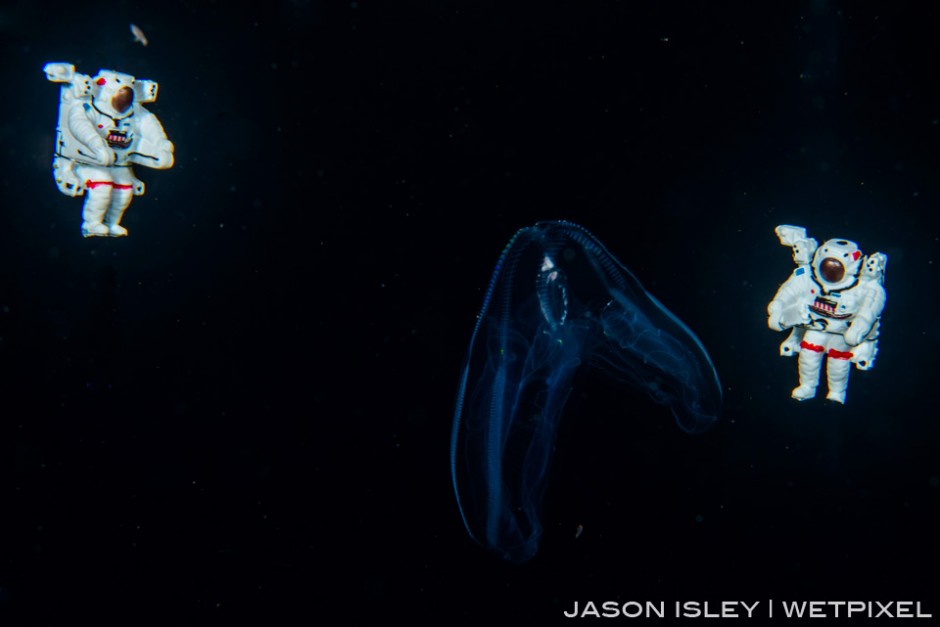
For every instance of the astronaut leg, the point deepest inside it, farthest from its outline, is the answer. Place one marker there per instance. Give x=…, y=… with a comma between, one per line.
x=811, y=357
x=837, y=369
x=121, y=196
x=97, y=182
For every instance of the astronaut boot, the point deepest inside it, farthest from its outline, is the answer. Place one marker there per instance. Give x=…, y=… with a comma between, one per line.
x=837, y=372
x=120, y=199
x=94, y=229
x=810, y=363
x=96, y=204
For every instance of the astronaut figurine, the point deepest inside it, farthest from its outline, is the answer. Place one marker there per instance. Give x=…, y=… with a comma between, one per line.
x=833, y=303
x=102, y=131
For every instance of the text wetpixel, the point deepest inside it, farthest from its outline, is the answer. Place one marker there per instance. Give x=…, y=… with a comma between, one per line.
x=853, y=609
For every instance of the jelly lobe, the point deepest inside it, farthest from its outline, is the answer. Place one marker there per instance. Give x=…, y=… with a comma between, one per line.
x=557, y=299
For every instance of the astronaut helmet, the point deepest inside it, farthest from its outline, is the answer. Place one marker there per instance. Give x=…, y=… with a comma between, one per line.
x=836, y=263
x=113, y=93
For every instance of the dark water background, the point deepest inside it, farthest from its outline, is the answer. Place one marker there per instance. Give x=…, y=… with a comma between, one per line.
x=252, y=394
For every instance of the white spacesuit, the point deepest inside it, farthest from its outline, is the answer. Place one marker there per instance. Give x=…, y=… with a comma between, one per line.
x=102, y=131
x=833, y=303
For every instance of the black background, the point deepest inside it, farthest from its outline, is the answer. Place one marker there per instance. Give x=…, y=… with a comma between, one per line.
x=244, y=408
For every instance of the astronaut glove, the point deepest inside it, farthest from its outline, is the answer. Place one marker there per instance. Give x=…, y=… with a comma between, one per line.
x=774, y=311
x=104, y=156
x=856, y=333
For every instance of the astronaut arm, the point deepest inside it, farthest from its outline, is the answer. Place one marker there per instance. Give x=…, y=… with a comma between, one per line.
x=773, y=315
x=82, y=129
x=786, y=310
x=873, y=302
x=153, y=149
x=795, y=237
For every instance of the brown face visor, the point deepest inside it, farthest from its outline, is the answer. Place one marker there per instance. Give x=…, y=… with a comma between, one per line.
x=123, y=99
x=831, y=270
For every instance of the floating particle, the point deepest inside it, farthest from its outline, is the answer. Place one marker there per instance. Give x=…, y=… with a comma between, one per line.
x=139, y=34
